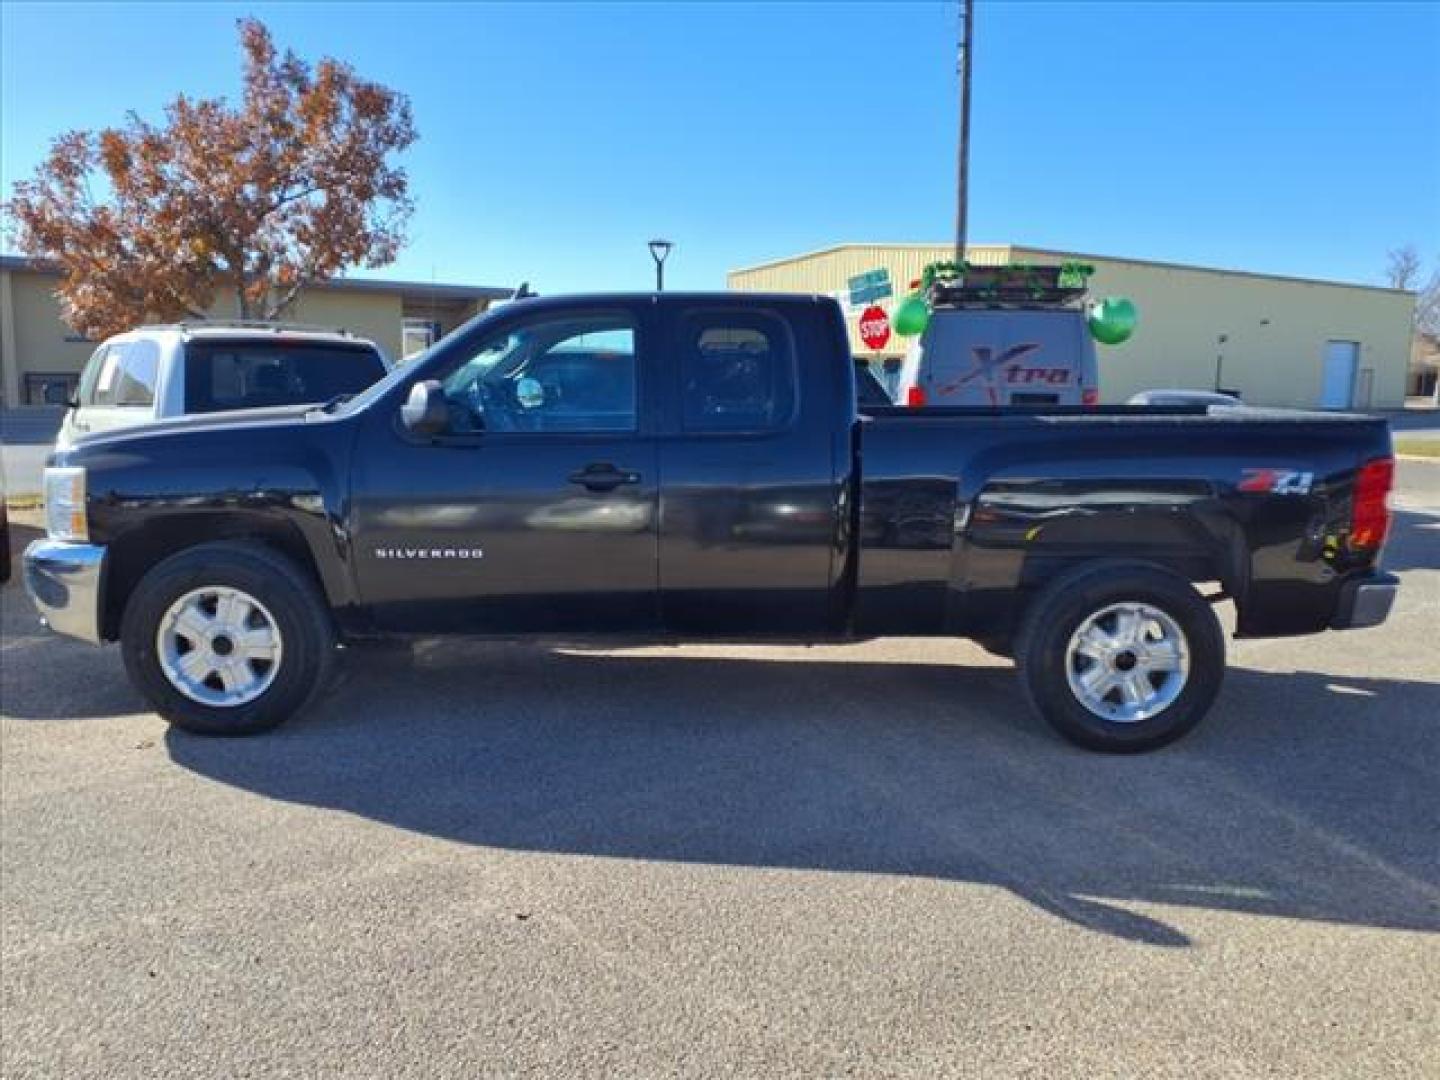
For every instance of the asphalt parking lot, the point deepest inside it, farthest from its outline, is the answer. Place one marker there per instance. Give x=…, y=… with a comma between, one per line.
x=743, y=861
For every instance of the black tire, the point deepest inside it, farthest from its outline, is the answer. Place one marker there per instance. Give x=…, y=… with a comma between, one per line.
x=291, y=597
x=1065, y=603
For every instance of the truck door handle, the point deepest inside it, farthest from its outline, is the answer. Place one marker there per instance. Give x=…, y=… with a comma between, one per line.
x=602, y=476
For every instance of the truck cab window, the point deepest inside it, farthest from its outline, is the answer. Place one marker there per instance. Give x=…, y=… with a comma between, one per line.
x=567, y=374
x=737, y=372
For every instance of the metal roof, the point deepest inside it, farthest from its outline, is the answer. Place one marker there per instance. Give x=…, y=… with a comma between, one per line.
x=1024, y=250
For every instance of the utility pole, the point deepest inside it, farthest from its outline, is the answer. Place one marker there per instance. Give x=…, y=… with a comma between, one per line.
x=965, y=62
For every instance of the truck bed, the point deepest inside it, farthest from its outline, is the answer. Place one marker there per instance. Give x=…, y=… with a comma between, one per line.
x=959, y=508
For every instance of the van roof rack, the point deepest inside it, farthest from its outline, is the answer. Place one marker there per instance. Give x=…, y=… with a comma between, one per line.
x=952, y=285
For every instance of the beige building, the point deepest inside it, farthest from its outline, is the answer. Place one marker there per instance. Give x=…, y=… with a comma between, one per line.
x=1276, y=340
x=41, y=357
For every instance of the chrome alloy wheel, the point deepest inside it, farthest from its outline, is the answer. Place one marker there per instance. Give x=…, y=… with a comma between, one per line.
x=1127, y=662
x=219, y=646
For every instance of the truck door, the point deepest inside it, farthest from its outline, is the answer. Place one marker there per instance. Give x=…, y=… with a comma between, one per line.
x=751, y=488
x=536, y=511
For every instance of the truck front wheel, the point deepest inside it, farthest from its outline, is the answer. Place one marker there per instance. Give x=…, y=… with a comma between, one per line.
x=1121, y=657
x=227, y=638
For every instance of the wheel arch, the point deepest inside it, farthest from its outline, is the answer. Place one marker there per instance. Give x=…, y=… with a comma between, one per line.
x=1187, y=569
x=998, y=619
x=132, y=555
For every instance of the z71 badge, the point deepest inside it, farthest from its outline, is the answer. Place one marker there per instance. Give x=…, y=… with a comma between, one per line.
x=1276, y=481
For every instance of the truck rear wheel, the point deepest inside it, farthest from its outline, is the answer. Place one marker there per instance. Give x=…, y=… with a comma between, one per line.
x=227, y=638
x=1121, y=657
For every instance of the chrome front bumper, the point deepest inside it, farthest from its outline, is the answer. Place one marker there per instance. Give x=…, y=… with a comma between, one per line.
x=66, y=581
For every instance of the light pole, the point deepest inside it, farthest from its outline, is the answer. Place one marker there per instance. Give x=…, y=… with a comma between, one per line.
x=660, y=251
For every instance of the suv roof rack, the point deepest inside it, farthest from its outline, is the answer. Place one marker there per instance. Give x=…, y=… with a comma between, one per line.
x=247, y=324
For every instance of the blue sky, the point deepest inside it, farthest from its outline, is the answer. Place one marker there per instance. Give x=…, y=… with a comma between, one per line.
x=556, y=139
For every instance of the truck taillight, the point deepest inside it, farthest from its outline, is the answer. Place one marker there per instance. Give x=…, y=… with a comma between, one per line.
x=1370, y=506
x=1090, y=397
x=915, y=397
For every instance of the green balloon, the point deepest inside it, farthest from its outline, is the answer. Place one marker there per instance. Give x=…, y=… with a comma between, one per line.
x=1112, y=320
x=912, y=316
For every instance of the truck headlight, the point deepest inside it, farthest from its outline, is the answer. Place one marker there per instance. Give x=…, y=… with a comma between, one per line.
x=65, y=517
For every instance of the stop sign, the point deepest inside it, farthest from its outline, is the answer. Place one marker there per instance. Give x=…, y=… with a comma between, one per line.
x=874, y=327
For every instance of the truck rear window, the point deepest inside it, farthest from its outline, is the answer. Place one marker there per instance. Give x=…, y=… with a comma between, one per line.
x=221, y=375
x=737, y=371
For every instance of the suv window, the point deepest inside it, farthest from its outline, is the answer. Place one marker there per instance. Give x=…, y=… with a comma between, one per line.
x=568, y=373
x=737, y=372
x=122, y=374
x=222, y=375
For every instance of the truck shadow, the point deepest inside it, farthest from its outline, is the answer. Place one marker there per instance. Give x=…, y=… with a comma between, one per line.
x=1304, y=795
x=1414, y=542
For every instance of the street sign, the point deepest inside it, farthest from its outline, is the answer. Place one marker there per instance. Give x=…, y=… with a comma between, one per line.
x=870, y=286
x=874, y=327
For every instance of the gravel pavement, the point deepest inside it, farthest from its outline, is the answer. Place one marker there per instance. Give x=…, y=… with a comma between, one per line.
x=486, y=859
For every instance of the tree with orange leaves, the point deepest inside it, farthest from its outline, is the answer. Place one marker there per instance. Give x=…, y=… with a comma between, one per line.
x=251, y=203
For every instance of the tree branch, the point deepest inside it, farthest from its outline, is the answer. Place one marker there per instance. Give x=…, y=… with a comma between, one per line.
x=273, y=311
x=286, y=199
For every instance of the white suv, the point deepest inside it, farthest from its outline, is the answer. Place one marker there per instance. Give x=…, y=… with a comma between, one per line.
x=161, y=372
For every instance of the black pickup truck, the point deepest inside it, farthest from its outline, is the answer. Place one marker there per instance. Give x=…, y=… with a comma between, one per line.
x=698, y=466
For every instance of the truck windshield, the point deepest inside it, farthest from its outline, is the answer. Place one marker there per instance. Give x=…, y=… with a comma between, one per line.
x=481, y=364
x=400, y=372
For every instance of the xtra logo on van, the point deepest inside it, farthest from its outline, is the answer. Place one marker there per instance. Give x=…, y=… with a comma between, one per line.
x=989, y=367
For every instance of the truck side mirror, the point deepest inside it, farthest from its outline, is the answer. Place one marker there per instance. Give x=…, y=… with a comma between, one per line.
x=425, y=411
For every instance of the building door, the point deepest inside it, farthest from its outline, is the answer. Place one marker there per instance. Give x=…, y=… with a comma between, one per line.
x=1338, y=386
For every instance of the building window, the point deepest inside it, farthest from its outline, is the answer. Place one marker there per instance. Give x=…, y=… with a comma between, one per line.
x=49, y=388
x=417, y=336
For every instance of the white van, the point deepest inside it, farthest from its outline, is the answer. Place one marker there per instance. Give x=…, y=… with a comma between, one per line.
x=1003, y=337
x=1000, y=358
x=161, y=372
